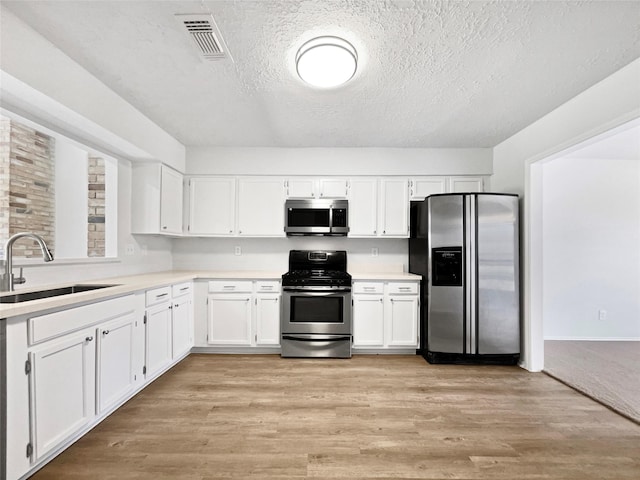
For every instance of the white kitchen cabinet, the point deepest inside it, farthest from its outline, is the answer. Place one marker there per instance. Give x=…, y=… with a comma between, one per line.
x=316, y=188
x=421, y=187
x=368, y=320
x=394, y=207
x=267, y=315
x=261, y=207
x=115, y=364
x=62, y=389
x=465, y=184
x=385, y=315
x=229, y=319
x=403, y=321
x=212, y=206
x=363, y=207
x=181, y=319
x=157, y=196
x=158, y=337
x=243, y=313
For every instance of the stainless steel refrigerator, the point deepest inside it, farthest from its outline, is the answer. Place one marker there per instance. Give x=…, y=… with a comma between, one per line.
x=466, y=247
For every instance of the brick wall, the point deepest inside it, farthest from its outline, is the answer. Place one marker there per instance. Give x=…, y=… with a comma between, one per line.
x=27, y=187
x=95, y=220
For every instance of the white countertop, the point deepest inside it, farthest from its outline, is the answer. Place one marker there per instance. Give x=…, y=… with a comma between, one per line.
x=134, y=283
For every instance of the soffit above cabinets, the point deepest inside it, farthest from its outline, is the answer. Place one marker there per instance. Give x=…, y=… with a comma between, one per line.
x=430, y=73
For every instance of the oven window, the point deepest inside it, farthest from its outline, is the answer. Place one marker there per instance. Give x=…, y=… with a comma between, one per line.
x=316, y=309
x=308, y=217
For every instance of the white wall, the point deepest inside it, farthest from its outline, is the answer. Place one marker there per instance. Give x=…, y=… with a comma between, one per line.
x=35, y=72
x=71, y=170
x=339, y=161
x=611, y=102
x=591, y=234
x=273, y=253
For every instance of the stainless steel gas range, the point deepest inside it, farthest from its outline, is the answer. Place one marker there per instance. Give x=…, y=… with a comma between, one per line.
x=316, y=314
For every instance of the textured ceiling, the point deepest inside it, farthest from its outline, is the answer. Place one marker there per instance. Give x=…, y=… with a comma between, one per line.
x=431, y=73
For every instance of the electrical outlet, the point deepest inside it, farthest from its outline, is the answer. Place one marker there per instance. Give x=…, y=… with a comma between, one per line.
x=602, y=314
x=143, y=249
x=129, y=249
x=237, y=250
x=374, y=252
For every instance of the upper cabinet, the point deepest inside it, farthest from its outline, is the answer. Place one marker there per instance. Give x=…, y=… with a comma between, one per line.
x=421, y=187
x=465, y=184
x=379, y=208
x=317, y=188
x=261, y=207
x=156, y=199
x=212, y=203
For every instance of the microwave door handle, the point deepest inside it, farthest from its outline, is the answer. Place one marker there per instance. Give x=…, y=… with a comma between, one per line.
x=331, y=219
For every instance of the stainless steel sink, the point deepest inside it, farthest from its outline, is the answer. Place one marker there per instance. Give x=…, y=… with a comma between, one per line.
x=54, y=292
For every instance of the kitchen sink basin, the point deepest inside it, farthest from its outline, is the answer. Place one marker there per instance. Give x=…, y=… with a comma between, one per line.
x=54, y=292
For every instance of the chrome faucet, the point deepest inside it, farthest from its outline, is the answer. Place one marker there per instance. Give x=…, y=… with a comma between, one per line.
x=7, y=280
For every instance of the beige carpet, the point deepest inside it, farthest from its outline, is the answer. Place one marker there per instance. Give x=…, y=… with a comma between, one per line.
x=608, y=372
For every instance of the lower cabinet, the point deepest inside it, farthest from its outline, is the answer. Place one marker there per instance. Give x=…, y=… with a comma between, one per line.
x=115, y=344
x=78, y=373
x=182, y=319
x=243, y=313
x=158, y=338
x=385, y=315
x=62, y=389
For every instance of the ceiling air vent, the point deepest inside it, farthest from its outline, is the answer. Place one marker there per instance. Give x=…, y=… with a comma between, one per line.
x=204, y=32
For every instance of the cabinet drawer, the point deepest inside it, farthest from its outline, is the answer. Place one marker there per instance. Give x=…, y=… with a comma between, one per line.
x=181, y=289
x=157, y=295
x=45, y=327
x=367, y=287
x=268, y=287
x=227, y=286
x=403, y=288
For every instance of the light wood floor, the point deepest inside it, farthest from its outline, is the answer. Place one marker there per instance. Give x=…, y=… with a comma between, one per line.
x=263, y=417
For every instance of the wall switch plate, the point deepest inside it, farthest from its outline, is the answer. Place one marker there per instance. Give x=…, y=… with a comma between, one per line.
x=129, y=249
x=237, y=250
x=602, y=314
x=374, y=252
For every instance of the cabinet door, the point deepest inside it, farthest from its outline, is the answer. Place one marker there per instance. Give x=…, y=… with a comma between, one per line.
x=158, y=338
x=333, y=188
x=363, y=207
x=301, y=188
x=212, y=206
x=62, y=389
x=394, y=207
x=181, y=323
x=421, y=188
x=170, y=201
x=268, y=320
x=368, y=320
x=261, y=207
x=115, y=361
x=465, y=184
x=229, y=321
x=403, y=321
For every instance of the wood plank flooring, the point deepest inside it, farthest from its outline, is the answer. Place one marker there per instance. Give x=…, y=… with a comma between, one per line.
x=370, y=417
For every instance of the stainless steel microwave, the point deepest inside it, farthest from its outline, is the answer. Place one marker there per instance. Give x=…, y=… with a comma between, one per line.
x=316, y=217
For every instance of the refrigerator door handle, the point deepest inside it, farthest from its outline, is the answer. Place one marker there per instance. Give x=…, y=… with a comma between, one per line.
x=473, y=270
x=467, y=220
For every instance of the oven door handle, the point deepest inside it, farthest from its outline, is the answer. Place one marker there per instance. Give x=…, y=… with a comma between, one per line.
x=313, y=338
x=315, y=293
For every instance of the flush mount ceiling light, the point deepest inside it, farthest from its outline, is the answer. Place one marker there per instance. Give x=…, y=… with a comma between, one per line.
x=326, y=62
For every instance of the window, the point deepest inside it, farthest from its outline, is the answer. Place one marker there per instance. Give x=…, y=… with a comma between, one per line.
x=58, y=188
